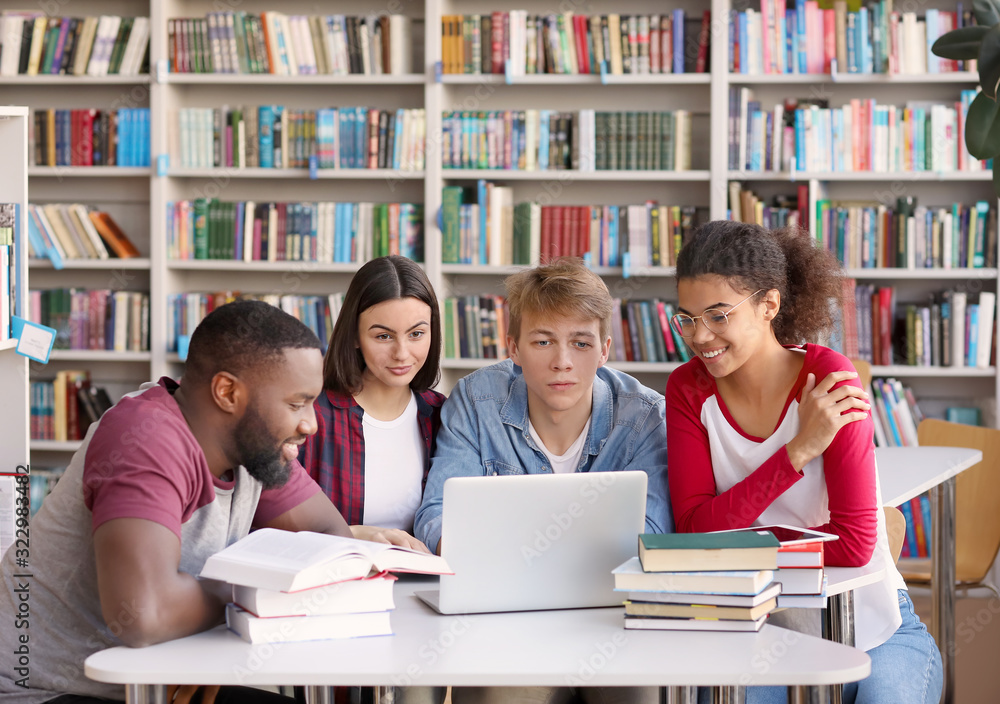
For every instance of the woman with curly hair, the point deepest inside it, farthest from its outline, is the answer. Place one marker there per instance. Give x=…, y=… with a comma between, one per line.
x=765, y=428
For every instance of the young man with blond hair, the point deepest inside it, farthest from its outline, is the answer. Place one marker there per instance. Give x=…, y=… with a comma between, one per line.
x=551, y=408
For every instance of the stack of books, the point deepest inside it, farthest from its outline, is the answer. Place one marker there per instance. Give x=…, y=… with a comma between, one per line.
x=800, y=573
x=311, y=586
x=700, y=581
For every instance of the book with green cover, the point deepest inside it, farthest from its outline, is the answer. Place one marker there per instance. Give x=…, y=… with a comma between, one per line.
x=689, y=552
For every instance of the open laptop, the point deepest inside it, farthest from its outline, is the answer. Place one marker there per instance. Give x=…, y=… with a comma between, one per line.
x=537, y=541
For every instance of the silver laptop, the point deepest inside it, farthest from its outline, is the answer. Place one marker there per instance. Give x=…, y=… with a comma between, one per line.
x=537, y=541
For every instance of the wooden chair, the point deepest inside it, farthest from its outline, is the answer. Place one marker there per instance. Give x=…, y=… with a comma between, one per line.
x=895, y=527
x=864, y=370
x=977, y=520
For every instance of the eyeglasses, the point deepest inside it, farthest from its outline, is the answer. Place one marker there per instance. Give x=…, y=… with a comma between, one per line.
x=714, y=319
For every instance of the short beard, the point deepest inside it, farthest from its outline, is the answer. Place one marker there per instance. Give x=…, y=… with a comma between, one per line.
x=262, y=461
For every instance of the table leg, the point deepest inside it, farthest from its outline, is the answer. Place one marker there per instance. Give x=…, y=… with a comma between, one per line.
x=728, y=695
x=319, y=694
x=146, y=694
x=943, y=581
x=803, y=694
x=680, y=695
x=838, y=626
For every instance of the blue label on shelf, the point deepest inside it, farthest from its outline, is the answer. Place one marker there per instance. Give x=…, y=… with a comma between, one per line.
x=626, y=264
x=506, y=72
x=162, y=164
x=604, y=71
x=438, y=70
x=34, y=341
x=182, y=346
x=313, y=167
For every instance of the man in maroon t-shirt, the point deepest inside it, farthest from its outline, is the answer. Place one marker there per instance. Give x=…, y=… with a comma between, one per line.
x=170, y=475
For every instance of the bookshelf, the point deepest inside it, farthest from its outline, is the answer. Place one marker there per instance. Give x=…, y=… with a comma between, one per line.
x=14, y=367
x=137, y=197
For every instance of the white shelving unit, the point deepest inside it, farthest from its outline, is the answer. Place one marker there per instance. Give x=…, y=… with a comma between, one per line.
x=139, y=196
x=14, y=435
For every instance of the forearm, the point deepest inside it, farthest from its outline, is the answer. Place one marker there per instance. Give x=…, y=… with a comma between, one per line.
x=182, y=607
x=739, y=506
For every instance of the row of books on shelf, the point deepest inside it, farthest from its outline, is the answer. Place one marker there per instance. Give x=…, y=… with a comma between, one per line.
x=806, y=38
x=475, y=327
x=323, y=232
x=64, y=407
x=186, y=310
x=9, y=271
x=32, y=44
x=99, y=319
x=482, y=225
x=67, y=231
x=273, y=42
x=909, y=236
x=861, y=135
x=273, y=136
x=519, y=43
x=950, y=331
x=783, y=211
x=586, y=140
x=89, y=137
x=917, y=512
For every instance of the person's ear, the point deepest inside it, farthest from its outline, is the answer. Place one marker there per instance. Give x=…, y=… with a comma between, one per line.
x=229, y=393
x=512, y=351
x=772, y=304
x=605, y=351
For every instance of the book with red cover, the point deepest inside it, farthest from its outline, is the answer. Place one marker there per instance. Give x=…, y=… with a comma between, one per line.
x=701, y=65
x=801, y=555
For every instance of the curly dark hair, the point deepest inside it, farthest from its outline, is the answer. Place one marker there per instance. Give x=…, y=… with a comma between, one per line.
x=751, y=257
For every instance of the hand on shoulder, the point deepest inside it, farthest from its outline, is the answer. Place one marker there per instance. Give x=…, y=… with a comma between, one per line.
x=392, y=536
x=823, y=411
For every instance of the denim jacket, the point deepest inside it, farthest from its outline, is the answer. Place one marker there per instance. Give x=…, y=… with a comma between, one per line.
x=484, y=431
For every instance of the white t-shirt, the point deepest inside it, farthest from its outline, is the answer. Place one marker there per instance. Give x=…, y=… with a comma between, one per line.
x=395, y=457
x=567, y=462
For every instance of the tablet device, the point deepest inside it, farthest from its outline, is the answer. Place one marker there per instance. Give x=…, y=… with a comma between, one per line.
x=791, y=535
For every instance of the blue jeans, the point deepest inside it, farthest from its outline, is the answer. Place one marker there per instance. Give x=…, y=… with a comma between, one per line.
x=906, y=668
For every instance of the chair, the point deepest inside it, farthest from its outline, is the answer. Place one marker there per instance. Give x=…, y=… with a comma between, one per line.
x=895, y=528
x=977, y=521
x=864, y=370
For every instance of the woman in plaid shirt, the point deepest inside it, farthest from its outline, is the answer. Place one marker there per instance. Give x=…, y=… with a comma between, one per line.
x=377, y=416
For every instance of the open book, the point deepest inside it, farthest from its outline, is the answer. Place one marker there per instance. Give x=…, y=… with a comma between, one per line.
x=287, y=561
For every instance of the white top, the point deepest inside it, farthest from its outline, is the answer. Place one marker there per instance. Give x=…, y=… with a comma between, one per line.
x=569, y=460
x=395, y=457
x=540, y=649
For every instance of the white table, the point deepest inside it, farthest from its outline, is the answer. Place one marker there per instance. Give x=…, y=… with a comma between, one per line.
x=906, y=472
x=582, y=647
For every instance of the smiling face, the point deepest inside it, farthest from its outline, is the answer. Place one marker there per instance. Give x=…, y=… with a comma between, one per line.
x=279, y=416
x=749, y=325
x=395, y=338
x=559, y=359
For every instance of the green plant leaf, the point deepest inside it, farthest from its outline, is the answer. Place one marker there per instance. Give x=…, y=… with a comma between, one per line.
x=989, y=61
x=982, y=127
x=987, y=12
x=960, y=44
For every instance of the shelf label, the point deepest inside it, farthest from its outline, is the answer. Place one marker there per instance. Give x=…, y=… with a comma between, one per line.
x=438, y=70
x=313, y=167
x=604, y=72
x=162, y=164
x=34, y=341
x=182, y=346
x=162, y=72
x=506, y=72
x=626, y=264
x=588, y=260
